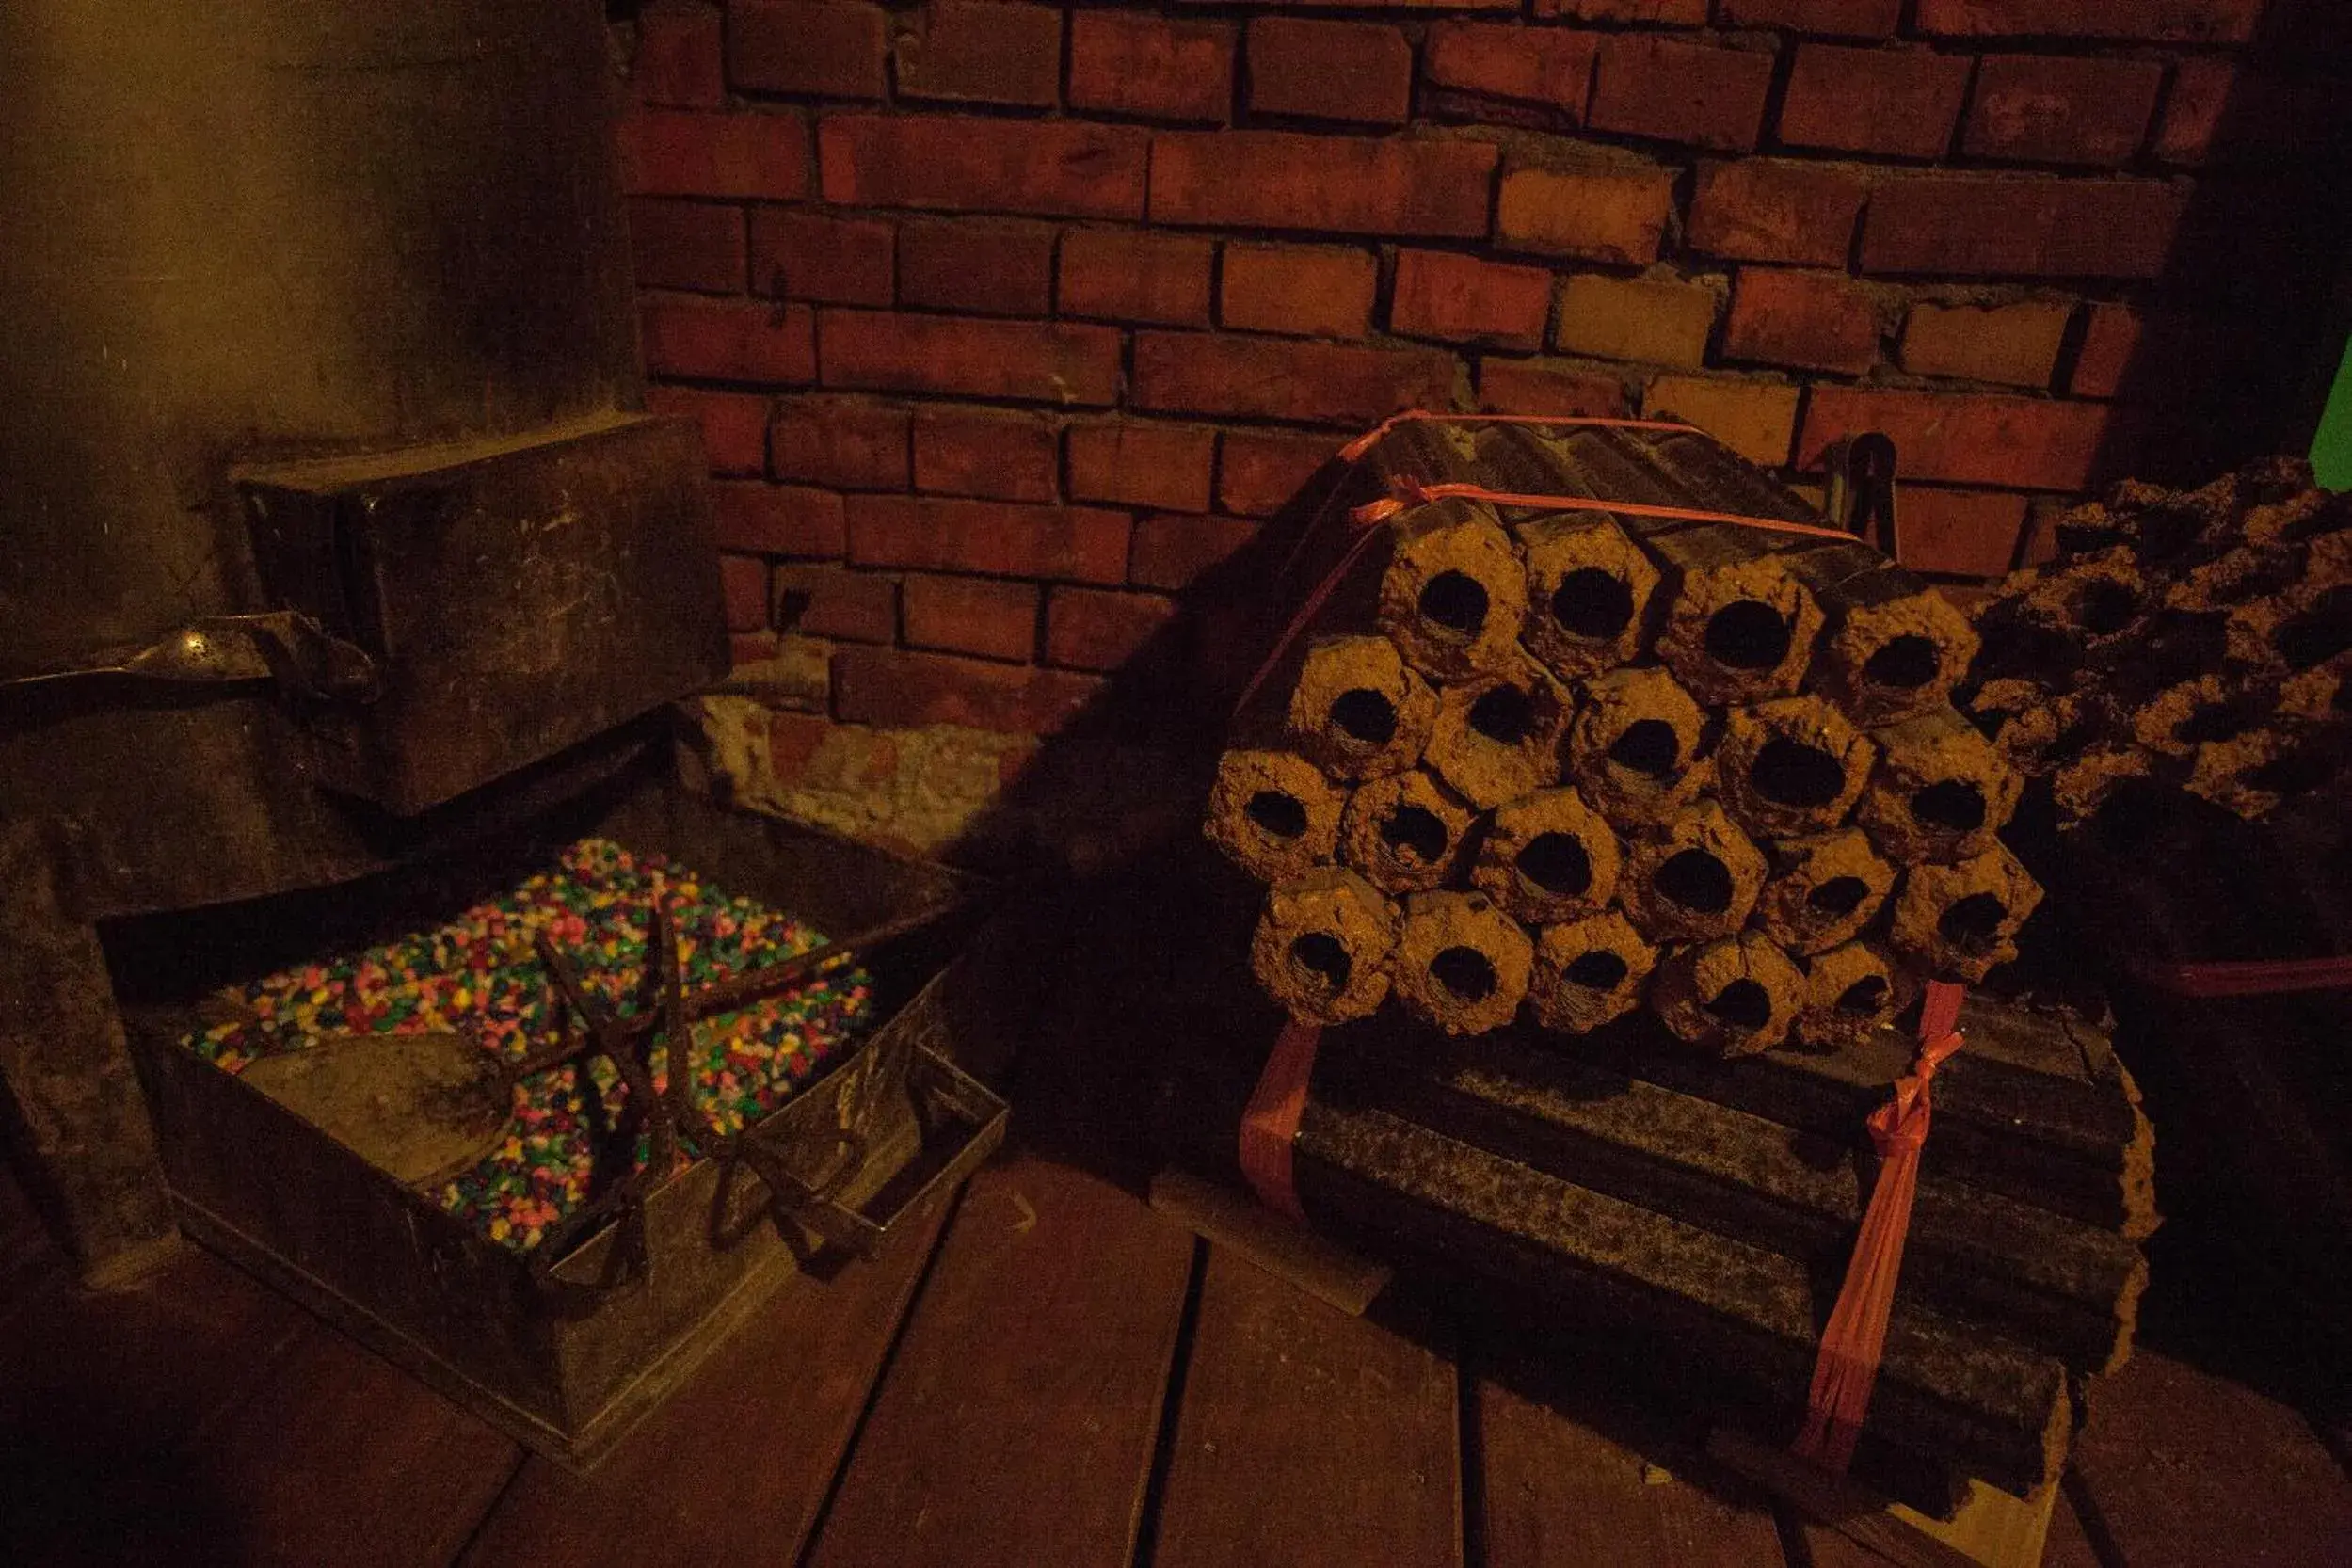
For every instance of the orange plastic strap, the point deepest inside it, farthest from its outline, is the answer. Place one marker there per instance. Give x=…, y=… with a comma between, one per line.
x=2247, y=978
x=1271, y=1125
x=1370, y=438
x=1851, y=1345
x=1412, y=492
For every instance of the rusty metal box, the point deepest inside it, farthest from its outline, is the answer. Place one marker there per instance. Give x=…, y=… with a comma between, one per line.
x=567, y=1355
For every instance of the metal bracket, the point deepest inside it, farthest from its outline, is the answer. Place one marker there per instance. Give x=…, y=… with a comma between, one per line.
x=284, y=646
x=1862, y=489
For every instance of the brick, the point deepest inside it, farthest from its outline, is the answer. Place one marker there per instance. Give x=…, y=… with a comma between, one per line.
x=905, y=690
x=1967, y=438
x=1837, y=18
x=1544, y=386
x=1147, y=66
x=1394, y=187
x=684, y=335
x=749, y=648
x=2061, y=110
x=1173, y=553
x=822, y=256
x=1653, y=320
x=2156, y=356
x=1755, y=419
x=1080, y=544
x=734, y=424
x=2159, y=21
x=2033, y=226
x=738, y=156
x=743, y=584
x=820, y=48
x=827, y=601
x=778, y=520
x=1683, y=13
x=678, y=57
x=1457, y=298
x=687, y=245
x=1142, y=465
x=1126, y=275
x=987, y=269
x=1090, y=629
x=1536, y=65
x=1052, y=167
x=971, y=614
x=1283, y=379
x=1901, y=102
x=983, y=451
x=1259, y=470
x=1811, y=320
x=990, y=53
x=1697, y=94
x=843, y=441
x=1776, y=210
x=2016, y=344
x=1353, y=71
x=2202, y=91
x=1043, y=362
x=1307, y=291
x=1612, y=214
x=1962, y=532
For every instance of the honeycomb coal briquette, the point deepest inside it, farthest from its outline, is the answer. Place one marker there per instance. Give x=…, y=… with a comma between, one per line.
x=2091, y=601
x=1736, y=996
x=1739, y=626
x=1357, y=710
x=1454, y=594
x=1823, y=891
x=1896, y=647
x=1957, y=921
x=1321, y=945
x=1690, y=879
x=2251, y=774
x=2305, y=626
x=2179, y=719
x=1547, y=857
x=1588, y=971
x=1461, y=963
x=1498, y=736
x=1404, y=833
x=1851, y=992
x=2083, y=783
x=1791, y=766
x=1274, y=813
x=2319, y=695
x=1634, y=749
x=1589, y=590
x=1941, y=791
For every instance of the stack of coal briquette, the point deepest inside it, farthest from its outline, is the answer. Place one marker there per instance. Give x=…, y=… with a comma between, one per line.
x=1695, y=793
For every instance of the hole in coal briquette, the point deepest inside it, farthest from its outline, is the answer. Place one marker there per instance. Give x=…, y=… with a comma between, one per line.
x=2103, y=607
x=1838, y=897
x=1557, y=863
x=1364, y=714
x=1503, y=715
x=1867, y=995
x=1952, y=802
x=1791, y=772
x=1414, y=833
x=2320, y=633
x=2217, y=721
x=1972, y=922
x=1455, y=600
x=1465, y=972
x=1325, y=957
x=1647, y=746
x=1591, y=602
x=2293, y=773
x=1749, y=635
x=1906, y=662
x=1597, y=970
x=1696, y=880
x=1279, y=814
x=1743, y=1004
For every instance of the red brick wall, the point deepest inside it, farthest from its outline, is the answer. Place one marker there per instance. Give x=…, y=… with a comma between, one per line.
x=1006, y=321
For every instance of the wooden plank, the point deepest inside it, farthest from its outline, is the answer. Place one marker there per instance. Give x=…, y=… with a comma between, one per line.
x=735, y=1468
x=1308, y=1436
x=1322, y=1269
x=1575, y=1475
x=1017, y=1421
x=1844, y=1522
x=2184, y=1470
x=339, y=1457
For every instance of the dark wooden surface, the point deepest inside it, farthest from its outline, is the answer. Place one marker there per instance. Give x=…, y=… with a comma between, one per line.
x=1051, y=1375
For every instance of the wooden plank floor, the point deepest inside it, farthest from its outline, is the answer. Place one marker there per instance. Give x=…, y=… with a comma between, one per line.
x=1052, y=1375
